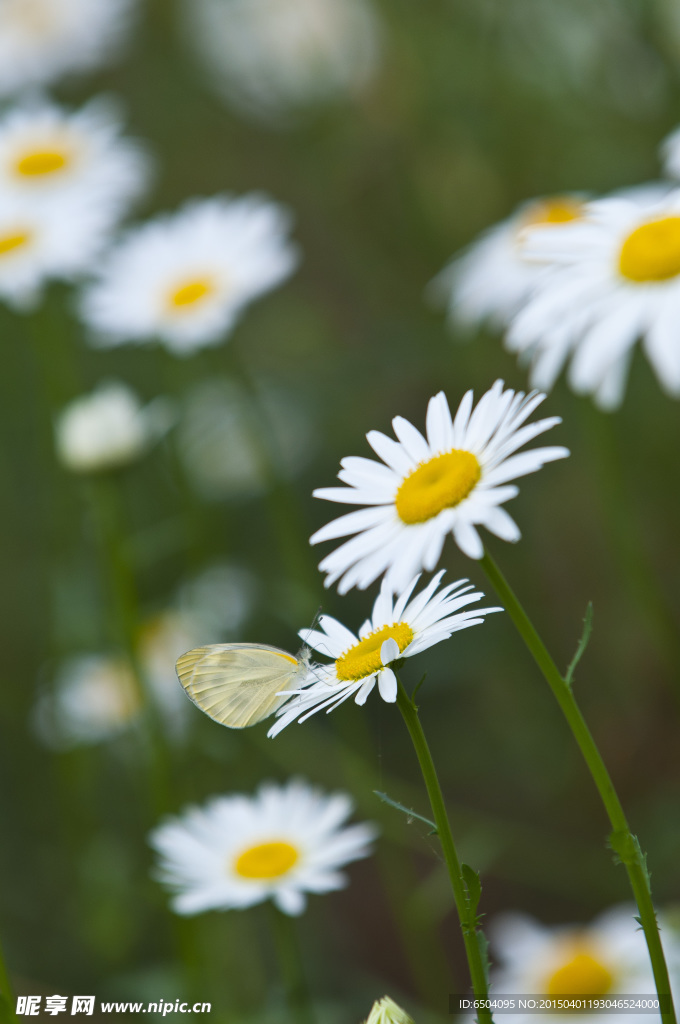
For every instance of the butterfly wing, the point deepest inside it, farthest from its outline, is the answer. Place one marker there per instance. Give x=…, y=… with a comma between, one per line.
x=237, y=684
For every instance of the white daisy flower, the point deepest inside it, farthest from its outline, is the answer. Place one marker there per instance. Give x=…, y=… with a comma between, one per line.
x=48, y=154
x=96, y=697
x=109, y=428
x=41, y=40
x=452, y=482
x=185, y=278
x=386, y=1011
x=614, y=277
x=491, y=280
x=398, y=628
x=604, y=959
x=269, y=57
x=39, y=243
x=280, y=844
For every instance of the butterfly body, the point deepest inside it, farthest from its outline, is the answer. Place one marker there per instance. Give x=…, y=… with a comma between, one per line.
x=239, y=685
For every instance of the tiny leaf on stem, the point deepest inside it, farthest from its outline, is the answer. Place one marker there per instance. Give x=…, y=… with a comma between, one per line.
x=405, y=810
x=582, y=644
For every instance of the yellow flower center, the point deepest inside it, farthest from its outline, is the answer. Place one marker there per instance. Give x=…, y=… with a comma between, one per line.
x=47, y=161
x=558, y=210
x=191, y=292
x=267, y=860
x=15, y=240
x=580, y=975
x=364, y=658
x=439, y=483
x=652, y=251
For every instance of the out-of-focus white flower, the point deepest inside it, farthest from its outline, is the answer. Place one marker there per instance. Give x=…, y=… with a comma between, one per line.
x=38, y=243
x=220, y=433
x=491, y=280
x=270, y=57
x=217, y=603
x=95, y=697
x=41, y=40
x=185, y=278
x=386, y=1011
x=237, y=851
x=49, y=155
x=109, y=428
x=604, y=959
x=452, y=482
x=612, y=277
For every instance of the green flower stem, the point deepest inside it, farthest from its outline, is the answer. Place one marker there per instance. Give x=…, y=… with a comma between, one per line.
x=622, y=841
x=466, y=912
x=104, y=500
x=292, y=970
x=7, y=1001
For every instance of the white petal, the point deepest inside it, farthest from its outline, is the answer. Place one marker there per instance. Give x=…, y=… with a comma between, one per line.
x=387, y=684
x=389, y=651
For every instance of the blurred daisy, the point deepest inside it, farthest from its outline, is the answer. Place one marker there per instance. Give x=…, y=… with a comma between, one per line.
x=109, y=428
x=452, y=482
x=269, y=57
x=386, y=1011
x=48, y=154
x=237, y=851
x=604, y=959
x=491, y=280
x=185, y=278
x=398, y=628
x=39, y=243
x=219, y=436
x=614, y=277
x=95, y=697
x=41, y=40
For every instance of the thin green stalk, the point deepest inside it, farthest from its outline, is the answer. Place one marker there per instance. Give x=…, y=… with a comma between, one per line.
x=121, y=582
x=292, y=969
x=624, y=844
x=465, y=902
x=7, y=1001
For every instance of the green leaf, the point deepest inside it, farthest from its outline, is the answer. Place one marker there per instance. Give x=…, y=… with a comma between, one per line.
x=417, y=687
x=473, y=886
x=405, y=810
x=582, y=644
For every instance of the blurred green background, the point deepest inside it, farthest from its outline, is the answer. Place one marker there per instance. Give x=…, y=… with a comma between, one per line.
x=475, y=107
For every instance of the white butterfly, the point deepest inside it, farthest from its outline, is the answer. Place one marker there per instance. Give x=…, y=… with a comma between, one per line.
x=240, y=684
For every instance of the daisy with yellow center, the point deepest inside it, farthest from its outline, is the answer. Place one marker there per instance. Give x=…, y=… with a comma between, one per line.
x=398, y=628
x=491, y=280
x=237, y=851
x=185, y=278
x=605, y=959
x=609, y=280
x=49, y=155
x=38, y=243
x=425, y=488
